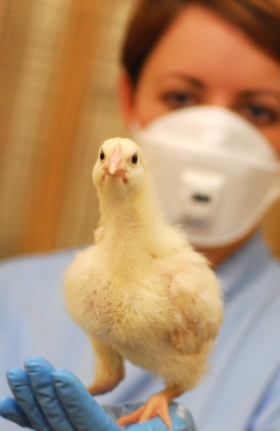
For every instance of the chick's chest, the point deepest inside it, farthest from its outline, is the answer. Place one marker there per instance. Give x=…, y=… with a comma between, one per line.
x=129, y=312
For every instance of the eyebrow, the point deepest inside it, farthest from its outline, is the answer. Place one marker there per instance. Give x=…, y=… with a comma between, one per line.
x=263, y=92
x=187, y=78
x=202, y=86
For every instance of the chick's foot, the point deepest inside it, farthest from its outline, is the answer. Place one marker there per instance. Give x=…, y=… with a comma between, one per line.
x=157, y=405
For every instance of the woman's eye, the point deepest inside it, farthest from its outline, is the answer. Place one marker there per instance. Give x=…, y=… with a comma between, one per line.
x=259, y=115
x=176, y=100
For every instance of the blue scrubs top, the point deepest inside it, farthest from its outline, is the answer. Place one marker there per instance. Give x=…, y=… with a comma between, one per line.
x=241, y=391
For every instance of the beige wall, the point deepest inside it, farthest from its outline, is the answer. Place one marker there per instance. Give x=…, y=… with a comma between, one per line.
x=58, y=102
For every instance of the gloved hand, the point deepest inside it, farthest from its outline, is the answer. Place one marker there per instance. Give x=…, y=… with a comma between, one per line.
x=48, y=399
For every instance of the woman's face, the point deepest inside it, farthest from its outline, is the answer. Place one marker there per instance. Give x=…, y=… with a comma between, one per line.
x=202, y=59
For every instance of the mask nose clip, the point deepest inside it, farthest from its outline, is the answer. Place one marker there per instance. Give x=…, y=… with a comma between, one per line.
x=200, y=195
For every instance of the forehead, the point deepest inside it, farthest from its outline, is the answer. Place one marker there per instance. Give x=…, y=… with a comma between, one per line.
x=201, y=43
x=126, y=145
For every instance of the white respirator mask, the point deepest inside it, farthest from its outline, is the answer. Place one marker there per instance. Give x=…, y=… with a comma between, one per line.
x=214, y=173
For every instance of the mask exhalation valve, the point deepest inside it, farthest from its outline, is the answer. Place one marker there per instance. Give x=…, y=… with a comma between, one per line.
x=200, y=195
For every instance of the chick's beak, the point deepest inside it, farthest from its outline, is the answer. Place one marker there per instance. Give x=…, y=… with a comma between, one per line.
x=115, y=161
x=115, y=166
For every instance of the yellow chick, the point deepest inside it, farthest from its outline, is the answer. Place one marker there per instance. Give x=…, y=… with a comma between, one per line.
x=141, y=292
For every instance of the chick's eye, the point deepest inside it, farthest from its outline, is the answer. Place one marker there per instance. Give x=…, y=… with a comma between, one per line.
x=102, y=155
x=134, y=159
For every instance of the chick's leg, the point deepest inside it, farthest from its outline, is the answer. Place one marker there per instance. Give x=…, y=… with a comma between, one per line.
x=157, y=405
x=109, y=368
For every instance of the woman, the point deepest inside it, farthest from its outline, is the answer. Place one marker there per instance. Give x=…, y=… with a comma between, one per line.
x=208, y=56
x=223, y=54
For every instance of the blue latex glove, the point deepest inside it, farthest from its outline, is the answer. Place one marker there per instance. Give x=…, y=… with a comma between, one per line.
x=48, y=399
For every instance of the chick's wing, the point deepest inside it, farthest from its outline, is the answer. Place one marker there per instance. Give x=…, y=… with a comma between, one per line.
x=197, y=304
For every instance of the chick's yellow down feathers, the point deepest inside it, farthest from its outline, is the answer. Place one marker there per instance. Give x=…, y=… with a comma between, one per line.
x=141, y=292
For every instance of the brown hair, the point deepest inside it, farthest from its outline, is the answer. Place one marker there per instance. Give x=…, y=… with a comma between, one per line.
x=259, y=19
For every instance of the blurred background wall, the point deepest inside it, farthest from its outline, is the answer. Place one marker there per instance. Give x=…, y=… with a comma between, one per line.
x=58, y=102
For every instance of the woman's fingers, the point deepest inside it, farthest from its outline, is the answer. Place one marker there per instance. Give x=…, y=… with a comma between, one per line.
x=20, y=386
x=40, y=377
x=85, y=413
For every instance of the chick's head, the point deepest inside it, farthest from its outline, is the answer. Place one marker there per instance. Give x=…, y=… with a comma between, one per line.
x=120, y=168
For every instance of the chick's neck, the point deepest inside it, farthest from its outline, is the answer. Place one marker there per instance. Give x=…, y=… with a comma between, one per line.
x=132, y=220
